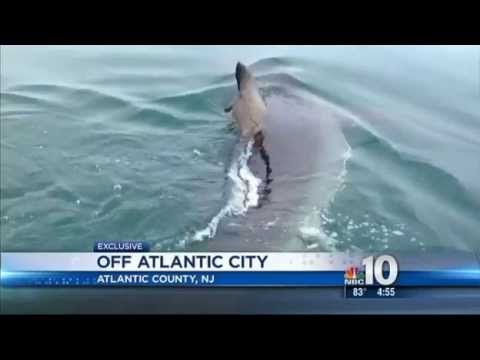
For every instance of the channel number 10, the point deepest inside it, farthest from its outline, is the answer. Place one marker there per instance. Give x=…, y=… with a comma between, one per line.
x=374, y=270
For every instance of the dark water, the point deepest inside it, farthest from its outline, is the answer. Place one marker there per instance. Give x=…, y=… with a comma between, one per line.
x=131, y=143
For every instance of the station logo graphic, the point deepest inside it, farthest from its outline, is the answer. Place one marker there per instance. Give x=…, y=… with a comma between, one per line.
x=354, y=276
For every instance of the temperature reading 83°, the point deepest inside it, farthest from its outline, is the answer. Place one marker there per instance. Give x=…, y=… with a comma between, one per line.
x=374, y=270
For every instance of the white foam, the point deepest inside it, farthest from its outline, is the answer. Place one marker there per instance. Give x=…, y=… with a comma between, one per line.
x=243, y=193
x=314, y=237
x=269, y=224
x=327, y=220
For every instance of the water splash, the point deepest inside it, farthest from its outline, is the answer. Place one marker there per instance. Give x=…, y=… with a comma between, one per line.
x=243, y=193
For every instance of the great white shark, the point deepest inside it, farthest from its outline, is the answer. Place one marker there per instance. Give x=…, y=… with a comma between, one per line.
x=287, y=167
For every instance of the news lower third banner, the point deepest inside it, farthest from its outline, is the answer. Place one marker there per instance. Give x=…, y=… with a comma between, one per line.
x=150, y=269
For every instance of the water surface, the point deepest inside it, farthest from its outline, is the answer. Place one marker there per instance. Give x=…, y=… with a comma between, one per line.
x=131, y=143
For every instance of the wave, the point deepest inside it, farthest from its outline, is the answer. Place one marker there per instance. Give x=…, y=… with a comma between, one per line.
x=91, y=105
x=397, y=201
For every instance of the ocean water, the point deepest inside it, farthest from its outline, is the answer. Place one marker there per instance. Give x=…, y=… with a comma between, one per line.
x=132, y=143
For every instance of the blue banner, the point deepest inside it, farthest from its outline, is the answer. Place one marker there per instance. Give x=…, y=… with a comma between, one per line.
x=221, y=278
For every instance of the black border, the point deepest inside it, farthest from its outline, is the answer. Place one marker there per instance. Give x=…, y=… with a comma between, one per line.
x=353, y=334
x=235, y=22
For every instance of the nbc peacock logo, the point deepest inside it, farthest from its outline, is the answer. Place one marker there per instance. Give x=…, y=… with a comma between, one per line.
x=354, y=276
